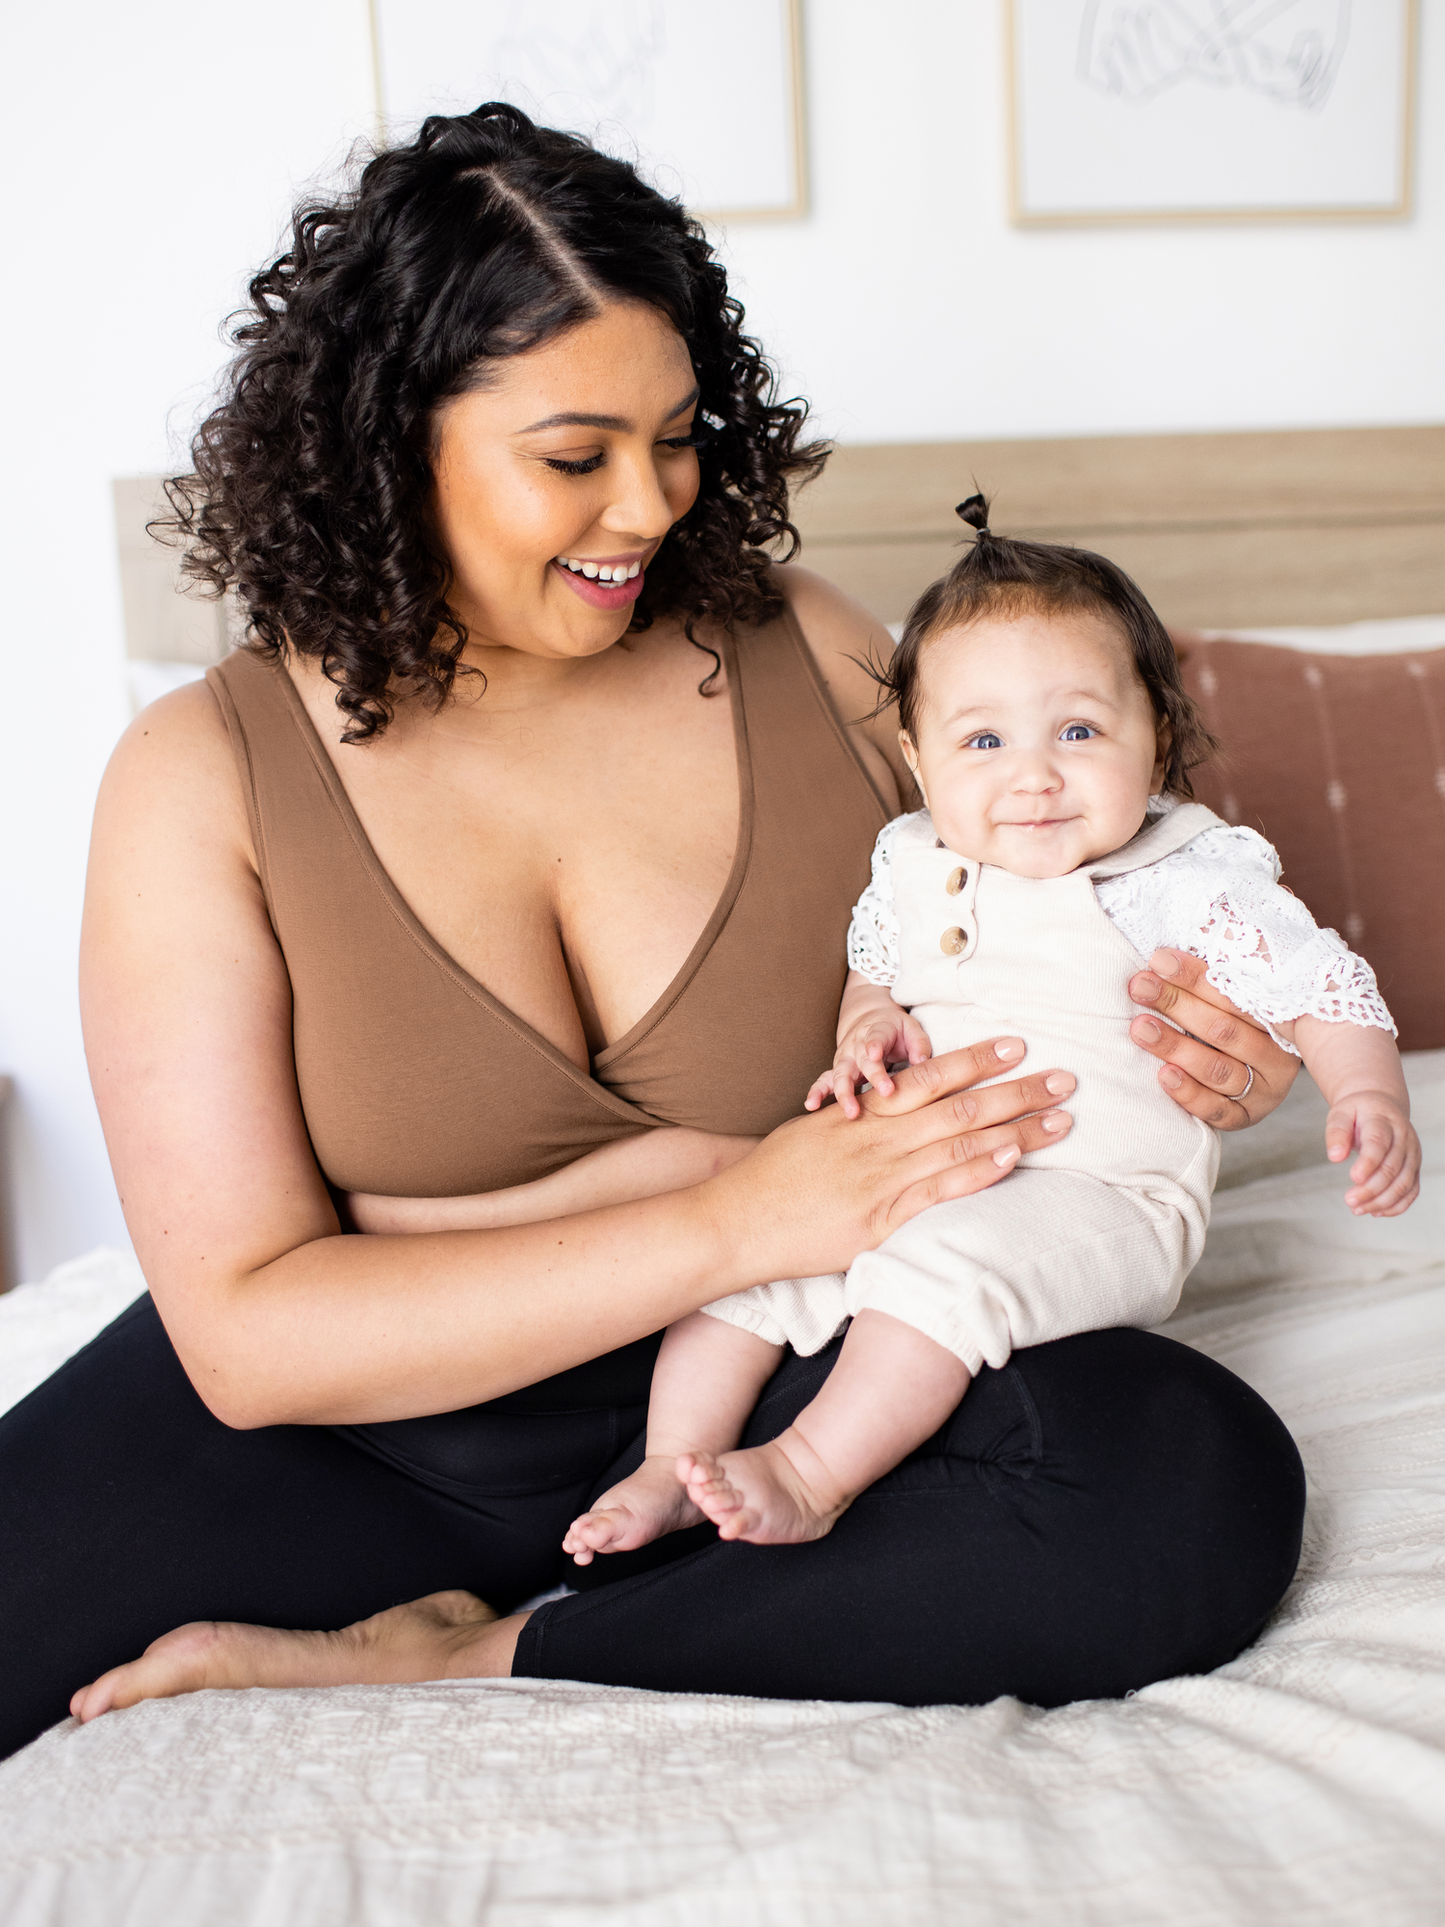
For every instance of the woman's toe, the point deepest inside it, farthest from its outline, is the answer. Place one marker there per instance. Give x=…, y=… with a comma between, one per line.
x=178, y=1662
x=88, y=1702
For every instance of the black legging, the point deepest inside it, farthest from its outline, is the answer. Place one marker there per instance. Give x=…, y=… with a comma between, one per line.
x=1106, y=1511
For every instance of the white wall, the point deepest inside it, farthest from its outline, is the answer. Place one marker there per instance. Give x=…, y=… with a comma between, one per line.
x=151, y=151
x=910, y=310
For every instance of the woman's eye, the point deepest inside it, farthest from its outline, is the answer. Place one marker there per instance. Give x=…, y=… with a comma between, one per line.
x=985, y=739
x=694, y=438
x=584, y=467
x=1078, y=733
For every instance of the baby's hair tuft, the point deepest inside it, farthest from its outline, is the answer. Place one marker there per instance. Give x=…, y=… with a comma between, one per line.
x=998, y=575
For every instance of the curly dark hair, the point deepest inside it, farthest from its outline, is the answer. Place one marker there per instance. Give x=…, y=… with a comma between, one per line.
x=997, y=575
x=484, y=237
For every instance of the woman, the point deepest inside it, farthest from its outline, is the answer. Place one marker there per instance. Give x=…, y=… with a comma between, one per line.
x=453, y=885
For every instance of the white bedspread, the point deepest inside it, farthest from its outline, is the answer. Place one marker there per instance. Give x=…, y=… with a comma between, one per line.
x=1304, y=1782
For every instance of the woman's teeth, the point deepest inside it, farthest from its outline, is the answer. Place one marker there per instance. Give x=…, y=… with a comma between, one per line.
x=602, y=571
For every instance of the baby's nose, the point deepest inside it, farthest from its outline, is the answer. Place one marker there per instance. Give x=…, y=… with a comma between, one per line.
x=1035, y=773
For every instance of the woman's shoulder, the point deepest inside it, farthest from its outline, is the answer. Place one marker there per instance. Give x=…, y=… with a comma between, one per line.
x=185, y=727
x=842, y=636
x=175, y=765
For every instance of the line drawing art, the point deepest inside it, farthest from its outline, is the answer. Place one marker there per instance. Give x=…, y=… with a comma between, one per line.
x=1289, y=51
x=607, y=56
x=707, y=100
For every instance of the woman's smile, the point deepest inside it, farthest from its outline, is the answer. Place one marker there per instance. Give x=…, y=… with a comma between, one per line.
x=607, y=582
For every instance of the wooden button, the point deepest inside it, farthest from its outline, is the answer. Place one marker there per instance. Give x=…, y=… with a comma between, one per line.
x=952, y=941
x=956, y=880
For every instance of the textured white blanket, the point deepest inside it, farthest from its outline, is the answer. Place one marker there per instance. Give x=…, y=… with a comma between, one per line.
x=1304, y=1782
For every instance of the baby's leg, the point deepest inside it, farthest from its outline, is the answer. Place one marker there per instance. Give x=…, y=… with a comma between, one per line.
x=704, y=1386
x=890, y=1390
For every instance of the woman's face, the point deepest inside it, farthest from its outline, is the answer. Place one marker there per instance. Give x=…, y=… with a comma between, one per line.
x=576, y=453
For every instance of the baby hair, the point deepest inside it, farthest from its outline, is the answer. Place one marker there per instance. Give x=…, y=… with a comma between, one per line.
x=1001, y=576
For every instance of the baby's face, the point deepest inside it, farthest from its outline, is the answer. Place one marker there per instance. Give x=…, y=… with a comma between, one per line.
x=1037, y=746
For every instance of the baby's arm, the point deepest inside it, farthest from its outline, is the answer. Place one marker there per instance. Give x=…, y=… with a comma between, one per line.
x=645, y=1166
x=1220, y=896
x=873, y=1032
x=1358, y=1070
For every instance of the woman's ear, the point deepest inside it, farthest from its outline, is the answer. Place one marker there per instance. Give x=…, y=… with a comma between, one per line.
x=1163, y=743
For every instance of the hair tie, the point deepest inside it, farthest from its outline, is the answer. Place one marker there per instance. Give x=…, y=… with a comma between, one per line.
x=975, y=512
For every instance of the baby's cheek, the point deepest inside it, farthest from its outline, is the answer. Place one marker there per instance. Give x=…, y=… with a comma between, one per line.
x=961, y=816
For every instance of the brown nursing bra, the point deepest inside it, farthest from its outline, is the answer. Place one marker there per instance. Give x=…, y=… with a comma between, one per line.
x=416, y=1082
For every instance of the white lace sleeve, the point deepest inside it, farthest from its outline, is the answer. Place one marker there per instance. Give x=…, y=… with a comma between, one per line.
x=873, y=933
x=1220, y=897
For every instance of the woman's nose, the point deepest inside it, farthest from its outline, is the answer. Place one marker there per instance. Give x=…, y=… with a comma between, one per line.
x=639, y=505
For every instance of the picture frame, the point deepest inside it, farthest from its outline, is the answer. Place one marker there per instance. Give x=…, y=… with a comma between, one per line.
x=1124, y=112
x=707, y=101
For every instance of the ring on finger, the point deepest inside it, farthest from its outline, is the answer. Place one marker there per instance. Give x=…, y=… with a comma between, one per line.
x=1248, y=1085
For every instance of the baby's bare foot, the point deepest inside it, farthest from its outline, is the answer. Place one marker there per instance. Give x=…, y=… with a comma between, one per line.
x=447, y=1635
x=759, y=1495
x=640, y=1509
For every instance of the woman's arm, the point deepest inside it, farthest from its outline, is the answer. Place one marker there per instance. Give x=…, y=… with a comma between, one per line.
x=669, y=1159
x=280, y=1319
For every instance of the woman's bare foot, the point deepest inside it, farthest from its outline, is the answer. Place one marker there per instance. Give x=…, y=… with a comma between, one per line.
x=649, y=1502
x=447, y=1635
x=762, y=1494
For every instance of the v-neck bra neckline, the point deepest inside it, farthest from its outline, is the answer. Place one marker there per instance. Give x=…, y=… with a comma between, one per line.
x=396, y=902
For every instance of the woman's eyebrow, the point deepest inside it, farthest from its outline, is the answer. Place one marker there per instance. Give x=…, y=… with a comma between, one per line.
x=614, y=422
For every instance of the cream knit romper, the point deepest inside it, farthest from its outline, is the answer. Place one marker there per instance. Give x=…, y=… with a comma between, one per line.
x=1099, y=1230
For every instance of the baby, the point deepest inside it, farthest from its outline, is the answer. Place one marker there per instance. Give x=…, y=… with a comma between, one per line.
x=1044, y=717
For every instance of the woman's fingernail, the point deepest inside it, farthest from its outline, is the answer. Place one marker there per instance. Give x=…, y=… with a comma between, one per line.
x=1170, y=1078
x=1145, y=987
x=1008, y=1049
x=1170, y=965
x=1146, y=1032
x=1006, y=1156
x=1055, y=1121
x=1058, y=1084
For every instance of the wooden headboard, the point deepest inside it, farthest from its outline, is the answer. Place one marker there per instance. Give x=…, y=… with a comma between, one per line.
x=1291, y=526
x=1221, y=531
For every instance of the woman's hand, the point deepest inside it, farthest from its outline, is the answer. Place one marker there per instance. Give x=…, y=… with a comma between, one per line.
x=1219, y=1065
x=824, y=1187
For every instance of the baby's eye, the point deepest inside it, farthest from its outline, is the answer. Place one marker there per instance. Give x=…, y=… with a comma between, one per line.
x=1078, y=733
x=985, y=739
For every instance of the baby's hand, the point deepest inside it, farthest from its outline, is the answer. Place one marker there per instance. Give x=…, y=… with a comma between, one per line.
x=863, y=1057
x=1386, y=1175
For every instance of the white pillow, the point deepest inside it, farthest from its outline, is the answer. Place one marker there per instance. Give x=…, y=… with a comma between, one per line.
x=1398, y=635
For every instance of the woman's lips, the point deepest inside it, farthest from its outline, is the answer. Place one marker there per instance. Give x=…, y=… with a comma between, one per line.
x=603, y=595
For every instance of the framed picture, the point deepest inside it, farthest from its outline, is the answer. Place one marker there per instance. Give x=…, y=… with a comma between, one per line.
x=707, y=100
x=1208, y=110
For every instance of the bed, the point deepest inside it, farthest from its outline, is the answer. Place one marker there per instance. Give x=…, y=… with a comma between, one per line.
x=1304, y=1781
